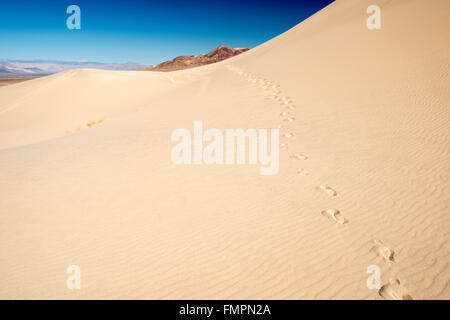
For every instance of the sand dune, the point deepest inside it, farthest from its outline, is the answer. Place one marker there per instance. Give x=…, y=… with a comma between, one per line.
x=364, y=174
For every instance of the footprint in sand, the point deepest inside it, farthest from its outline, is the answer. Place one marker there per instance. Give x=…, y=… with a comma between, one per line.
x=383, y=251
x=394, y=291
x=286, y=105
x=274, y=95
x=284, y=146
x=284, y=113
x=334, y=215
x=285, y=101
x=328, y=190
x=290, y=119
x=268, y=85
x=288, y=135
x=299, y=156
x=91, y=124
x=302, y=172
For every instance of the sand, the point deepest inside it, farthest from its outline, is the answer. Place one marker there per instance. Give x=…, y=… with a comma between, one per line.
x=7, y=80
x=364, y=178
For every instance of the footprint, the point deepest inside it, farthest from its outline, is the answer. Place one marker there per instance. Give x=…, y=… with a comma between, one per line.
x=290, y=119
x=394, y=291
x=284, y=113
x=284, y=146
x=302, y=172
x=328, y=190
x=335, y=216
x=286, y=101
x=299, y=156
x=101, y=121
x=267, y=85
x=287, y=105
x=91, y=124
x=273, y=95
x=288, y=135
x=384, y=251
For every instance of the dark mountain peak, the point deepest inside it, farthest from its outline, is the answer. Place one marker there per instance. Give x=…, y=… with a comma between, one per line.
x=220, y=53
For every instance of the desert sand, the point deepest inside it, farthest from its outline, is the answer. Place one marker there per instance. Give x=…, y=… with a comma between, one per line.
x=364, y=178
x=7, y=80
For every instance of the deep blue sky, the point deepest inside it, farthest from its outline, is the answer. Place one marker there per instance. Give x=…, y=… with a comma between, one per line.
x=148, y=32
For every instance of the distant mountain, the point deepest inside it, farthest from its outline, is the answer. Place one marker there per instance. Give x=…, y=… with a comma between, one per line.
x=184, y=62
x=39, y=67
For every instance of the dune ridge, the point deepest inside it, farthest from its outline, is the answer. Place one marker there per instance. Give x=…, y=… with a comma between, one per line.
x=364, y=170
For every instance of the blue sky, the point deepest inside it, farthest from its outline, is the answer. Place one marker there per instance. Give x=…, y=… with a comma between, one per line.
x=148, y=32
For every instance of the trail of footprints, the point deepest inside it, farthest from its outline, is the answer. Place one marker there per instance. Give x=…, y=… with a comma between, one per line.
x=393, y=289
x=273, y=91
